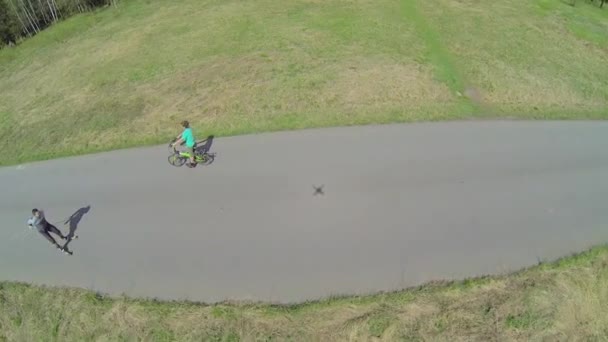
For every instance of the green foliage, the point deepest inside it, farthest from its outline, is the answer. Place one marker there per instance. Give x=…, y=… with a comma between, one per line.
x=9, y=29
x=21, y=18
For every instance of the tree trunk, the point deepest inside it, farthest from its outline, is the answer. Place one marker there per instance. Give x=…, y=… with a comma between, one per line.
x=31, y=22
x=23, y=25
x=56, y=9
x=46, y=16
x=34, y=16
x=53, y=14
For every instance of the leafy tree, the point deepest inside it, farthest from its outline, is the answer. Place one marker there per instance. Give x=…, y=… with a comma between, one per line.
x=9, y=28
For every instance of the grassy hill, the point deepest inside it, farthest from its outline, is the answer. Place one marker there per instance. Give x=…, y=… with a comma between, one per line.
x=561, y=301
x=126, y=76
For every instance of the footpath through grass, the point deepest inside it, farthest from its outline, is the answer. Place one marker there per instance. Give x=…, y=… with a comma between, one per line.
x=126, y=76
x=561, y=301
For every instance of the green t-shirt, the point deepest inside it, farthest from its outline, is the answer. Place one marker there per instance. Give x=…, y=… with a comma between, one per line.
x=188, y=137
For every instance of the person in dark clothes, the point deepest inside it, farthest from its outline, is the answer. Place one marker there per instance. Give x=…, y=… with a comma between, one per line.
x=39, y=222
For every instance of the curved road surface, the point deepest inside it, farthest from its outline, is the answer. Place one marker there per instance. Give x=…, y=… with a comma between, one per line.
x=402, y=205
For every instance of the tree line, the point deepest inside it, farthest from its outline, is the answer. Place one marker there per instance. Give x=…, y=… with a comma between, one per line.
x=25, y=18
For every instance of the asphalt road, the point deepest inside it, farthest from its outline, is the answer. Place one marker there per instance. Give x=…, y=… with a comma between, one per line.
x=402, y=205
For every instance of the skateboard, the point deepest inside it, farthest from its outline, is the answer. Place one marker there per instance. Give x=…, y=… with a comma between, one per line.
x=65, y=249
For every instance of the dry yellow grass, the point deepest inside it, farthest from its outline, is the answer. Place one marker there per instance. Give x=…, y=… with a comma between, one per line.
x=125, y=76
x=527, y=58
x=565, y=300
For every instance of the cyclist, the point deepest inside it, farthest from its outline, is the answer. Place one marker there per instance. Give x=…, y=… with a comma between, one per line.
x=188, y=138
x=39, y=222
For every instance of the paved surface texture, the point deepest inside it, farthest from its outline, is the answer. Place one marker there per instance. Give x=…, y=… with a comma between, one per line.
x=402, y=205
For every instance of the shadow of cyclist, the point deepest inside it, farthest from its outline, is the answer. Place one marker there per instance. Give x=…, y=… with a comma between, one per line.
x=204, y=150
x=206, y=146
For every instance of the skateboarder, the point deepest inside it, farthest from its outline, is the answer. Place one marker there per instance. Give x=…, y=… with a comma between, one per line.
x=39, y=222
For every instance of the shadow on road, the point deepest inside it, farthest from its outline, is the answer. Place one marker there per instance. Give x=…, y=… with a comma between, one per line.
x=206, y=146
x=73, y=222
x=318, y=190
x=202, y=149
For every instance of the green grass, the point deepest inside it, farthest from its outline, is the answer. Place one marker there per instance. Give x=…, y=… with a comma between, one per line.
x=125, y=76
x=563, y=300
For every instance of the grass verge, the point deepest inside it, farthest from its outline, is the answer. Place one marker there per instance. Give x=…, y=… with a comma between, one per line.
x=562, y=300
x=125, y=76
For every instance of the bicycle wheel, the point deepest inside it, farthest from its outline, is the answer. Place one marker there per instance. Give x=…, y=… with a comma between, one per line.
x=209, y=157
x=204, y=159
x=176, y=160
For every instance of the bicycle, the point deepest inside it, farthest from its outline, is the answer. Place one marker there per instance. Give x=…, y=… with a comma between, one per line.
x=179, y=158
